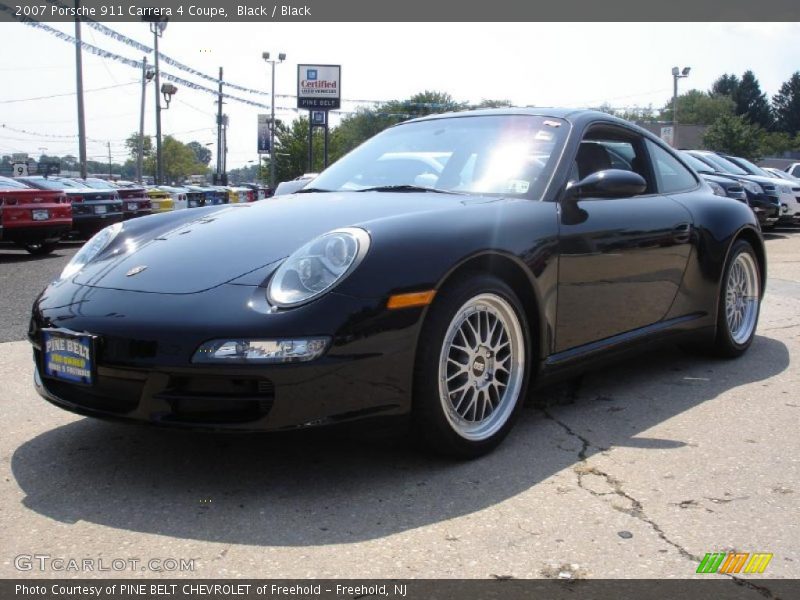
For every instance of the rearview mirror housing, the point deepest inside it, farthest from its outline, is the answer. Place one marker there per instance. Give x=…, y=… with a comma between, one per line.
x=609, y=183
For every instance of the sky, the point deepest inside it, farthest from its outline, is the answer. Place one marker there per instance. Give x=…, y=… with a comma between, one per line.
x=541, y=64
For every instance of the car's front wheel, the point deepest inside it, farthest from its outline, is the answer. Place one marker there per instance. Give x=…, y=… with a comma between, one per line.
x=472, y=367
x=739, y=301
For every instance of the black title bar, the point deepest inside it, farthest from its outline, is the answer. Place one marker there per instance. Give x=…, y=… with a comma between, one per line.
x=223, y=11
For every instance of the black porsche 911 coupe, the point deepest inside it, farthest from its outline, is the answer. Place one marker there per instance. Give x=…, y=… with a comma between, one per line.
x=434, y=273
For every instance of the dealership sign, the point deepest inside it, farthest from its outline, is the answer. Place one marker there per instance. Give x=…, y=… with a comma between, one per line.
x=319, y=86
x=263, y=134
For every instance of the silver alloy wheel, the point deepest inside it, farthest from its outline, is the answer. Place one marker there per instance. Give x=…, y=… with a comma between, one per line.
x=742, y=291
x=481, y=366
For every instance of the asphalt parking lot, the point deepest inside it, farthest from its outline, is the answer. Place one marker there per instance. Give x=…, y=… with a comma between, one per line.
x=635, y=471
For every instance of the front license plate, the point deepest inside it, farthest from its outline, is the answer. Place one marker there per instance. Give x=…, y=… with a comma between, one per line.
x=133, y=206
x=68, y=356
x=40, y=215
x=100, y=210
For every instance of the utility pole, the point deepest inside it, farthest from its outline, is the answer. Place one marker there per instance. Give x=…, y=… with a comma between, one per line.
x=220, y=143
x=158, y=29
x=79, y=78
x=140, y=154
x=110, y=174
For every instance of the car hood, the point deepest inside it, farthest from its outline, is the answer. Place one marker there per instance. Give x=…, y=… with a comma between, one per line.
x=204, y=248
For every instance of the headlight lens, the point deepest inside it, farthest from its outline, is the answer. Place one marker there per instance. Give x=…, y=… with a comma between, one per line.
x=751, y=186
x=318, y=267
x=717, y=188
x=91, y=249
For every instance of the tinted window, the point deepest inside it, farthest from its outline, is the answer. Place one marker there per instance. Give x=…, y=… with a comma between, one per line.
x=671, y=175
x=502, y=154
x=723, y=165
x=697, y=164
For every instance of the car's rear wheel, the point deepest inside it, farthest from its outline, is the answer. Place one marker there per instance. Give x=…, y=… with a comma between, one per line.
x=739, y=301
x=472, y=367
x=39, y=248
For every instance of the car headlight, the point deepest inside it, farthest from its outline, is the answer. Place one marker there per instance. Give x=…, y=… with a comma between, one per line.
x=318, y=267
x=785, y=189
x=91, y=249
x=751, y=186
x=717, y=188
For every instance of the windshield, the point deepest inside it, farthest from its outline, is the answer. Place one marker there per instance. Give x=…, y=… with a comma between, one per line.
x=509, y=155
x=753, y=169
x=724, y=165
x=47, y=184
x=6, y=182
x=697, y=164
x=96, y=184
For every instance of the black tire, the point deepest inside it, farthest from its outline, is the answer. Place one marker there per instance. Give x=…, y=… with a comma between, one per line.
x=725, y=346
x=40, y=248
x=430, y=425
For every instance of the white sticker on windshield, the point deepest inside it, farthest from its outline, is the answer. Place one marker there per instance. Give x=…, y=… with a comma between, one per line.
x=518, y=186
x=553, y=123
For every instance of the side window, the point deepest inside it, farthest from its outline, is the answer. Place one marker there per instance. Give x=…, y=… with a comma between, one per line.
x=607, y=147
x=671, y=175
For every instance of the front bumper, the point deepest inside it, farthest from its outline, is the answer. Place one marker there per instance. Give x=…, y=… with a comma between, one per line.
x=145, y=374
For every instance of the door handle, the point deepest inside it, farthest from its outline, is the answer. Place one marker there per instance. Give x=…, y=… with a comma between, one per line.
x=682, y=233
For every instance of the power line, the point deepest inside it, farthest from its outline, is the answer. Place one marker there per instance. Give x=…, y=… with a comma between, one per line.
x=108, y=87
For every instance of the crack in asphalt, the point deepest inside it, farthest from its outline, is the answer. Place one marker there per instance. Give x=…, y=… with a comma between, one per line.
x=637, y=509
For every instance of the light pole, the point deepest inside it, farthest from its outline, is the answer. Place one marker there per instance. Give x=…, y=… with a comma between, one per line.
x=167, y=91
x=157, y=27
x=676, y=74
x=272, y=169
x=147, y=76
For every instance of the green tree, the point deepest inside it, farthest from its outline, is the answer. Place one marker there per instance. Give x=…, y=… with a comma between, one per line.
x=179, y=161
x=751, y=102
x=699, y=108
x=202, y=153
x=726, y=85
x=489, y=103
x=786, y=105
x=735, y=135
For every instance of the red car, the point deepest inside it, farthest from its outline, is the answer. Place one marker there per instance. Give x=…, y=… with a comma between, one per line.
x=135, y=201
x=33, y=219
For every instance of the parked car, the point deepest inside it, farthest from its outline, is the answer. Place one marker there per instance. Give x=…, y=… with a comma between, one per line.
x=788, y=194
x=781, y=174
x=520, y=264
x=761, y=196
x=33, y=219
x=135, y=202
x=223, y=194
x=211, y=195
x=178, y=195
x=794, y=169
x=722, y=186
x=92, y=210
x=261, y=192
x=195, y=198
x=160, y=200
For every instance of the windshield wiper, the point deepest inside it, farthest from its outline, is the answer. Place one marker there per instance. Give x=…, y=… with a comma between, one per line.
x=405, y=188
x=311, y=191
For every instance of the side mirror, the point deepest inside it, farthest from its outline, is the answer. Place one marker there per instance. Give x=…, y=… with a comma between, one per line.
x=610, y=183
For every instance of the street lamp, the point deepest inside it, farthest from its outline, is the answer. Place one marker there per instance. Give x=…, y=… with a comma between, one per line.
x=168, y=91
x=272, y=175
x=676, y=74
x=157, y=27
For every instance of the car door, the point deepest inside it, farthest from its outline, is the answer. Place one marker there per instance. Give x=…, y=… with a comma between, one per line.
x=621, y=259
